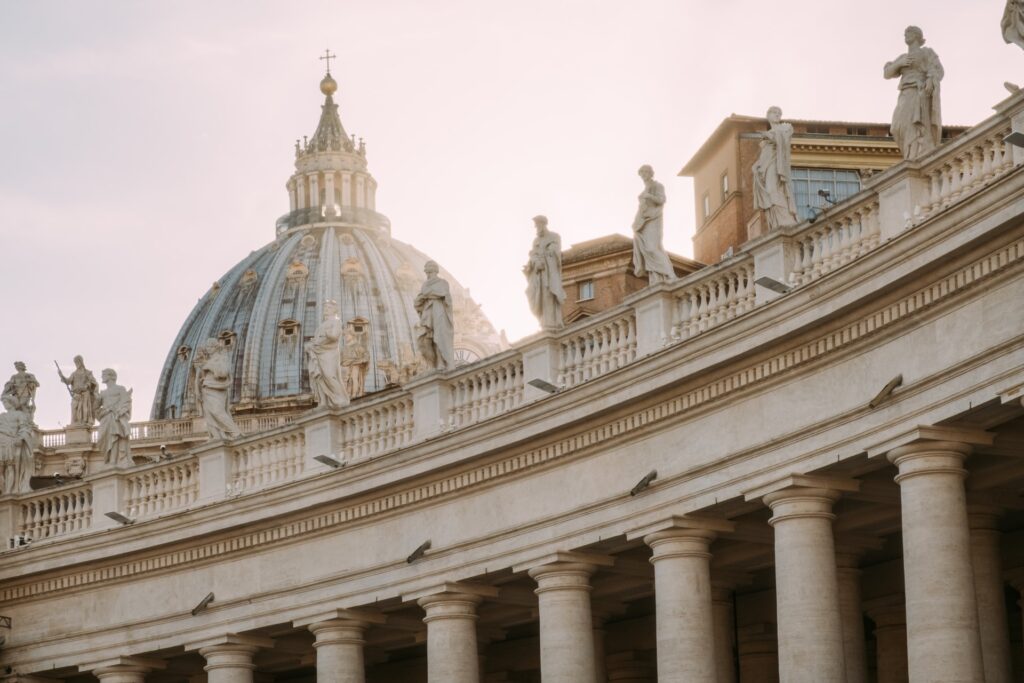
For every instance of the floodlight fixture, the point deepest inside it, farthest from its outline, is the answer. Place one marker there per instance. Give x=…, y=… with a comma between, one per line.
x=886, y=391
x=644, y=483
x=164, y=453
x=773, y=284
x=827, y=196
x=203, y=604
x=118, y=517
x=5, y=622
x=329, y=461
x=419, y=552
x=543, y=385
x=1016, y=138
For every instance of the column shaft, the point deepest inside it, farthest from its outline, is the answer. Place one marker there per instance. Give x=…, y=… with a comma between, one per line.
x=723, y=616
x=986, y=564
x=452, y=655
x=682, y=591
x=890, y=640
x=942, y=618
x=566, y=624
x=852, y=615
x=806, y=588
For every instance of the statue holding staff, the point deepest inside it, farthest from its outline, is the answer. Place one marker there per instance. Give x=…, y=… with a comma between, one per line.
x=83, y=388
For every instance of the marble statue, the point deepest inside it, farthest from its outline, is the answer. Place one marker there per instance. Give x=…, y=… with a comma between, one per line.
x=435, y=333
x=212, y=363
x=323, y=360
x=355, y=356
x=649, y=256
x=21, y=390
x=544, y=276
x=83, y=387
x=1013, y=22
x=114, y=410
x=17, y=448
x=773, y=185
x=917, y=120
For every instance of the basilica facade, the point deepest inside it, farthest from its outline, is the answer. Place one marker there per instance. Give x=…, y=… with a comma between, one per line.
x=802, y=463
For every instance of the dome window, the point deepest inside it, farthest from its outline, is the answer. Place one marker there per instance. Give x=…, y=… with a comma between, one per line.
x=183, y=352
x=227, y=338
x=288, y=328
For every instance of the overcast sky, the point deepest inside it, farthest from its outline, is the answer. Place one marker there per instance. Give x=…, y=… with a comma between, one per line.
x=145, y=145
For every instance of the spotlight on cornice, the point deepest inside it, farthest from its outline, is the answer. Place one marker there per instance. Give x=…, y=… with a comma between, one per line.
x=644, y=483
x=329, y=461
x=203, y=604
x=419, y=552
x=886, y=391
x=1016, y=138
x=773, y=284
x=118, y=517
x=543, y=386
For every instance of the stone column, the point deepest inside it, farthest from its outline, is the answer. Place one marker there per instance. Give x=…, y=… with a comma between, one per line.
x=452, y=652
x=890, y=638
x=339, y=644
x=758, y=650
x=229, y=658
x=852, y=615
x=810, y=628
x=600, y=616
x=722, y=614
x=987, y=566
x=942, y=615
x=566, y=623
x=682, y=594
x=123, y=669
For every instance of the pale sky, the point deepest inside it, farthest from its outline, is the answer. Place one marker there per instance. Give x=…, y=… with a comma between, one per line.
x=145, y=145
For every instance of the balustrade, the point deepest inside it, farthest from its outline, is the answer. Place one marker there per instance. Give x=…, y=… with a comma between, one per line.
x=377, y=429
x=714, y=299
x=487, y=392
x=970, y=165
x=56, y=513
x=157, y=490
x=269, y=461
x=834, y=242
x=597, y=350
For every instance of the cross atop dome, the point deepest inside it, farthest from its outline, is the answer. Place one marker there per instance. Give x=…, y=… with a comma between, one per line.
x=328, y=57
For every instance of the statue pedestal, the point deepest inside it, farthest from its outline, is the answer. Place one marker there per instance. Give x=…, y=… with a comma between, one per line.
x=78, y=435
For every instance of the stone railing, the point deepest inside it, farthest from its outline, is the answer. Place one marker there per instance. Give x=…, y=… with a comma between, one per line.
x=159, y=489
x=376, y=429
x=597, y=349
x=157, y=430
x=54, y=513
x=261, y=462
x=705, y=301
x=486, y=391
x=834, y=240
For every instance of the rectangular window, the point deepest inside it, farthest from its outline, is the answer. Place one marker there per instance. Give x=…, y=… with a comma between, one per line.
x=725, y=186
x=807, y=182
x=707, y=206
x=586, y=290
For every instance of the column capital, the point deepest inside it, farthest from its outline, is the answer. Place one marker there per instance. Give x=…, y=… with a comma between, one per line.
x=366, y=618
x=123, y=665
x=799, y=484
x=930, y=457
x=559, y=560
x=923, y=434
x=681, y=524
x=451, y=589
x=229, y=642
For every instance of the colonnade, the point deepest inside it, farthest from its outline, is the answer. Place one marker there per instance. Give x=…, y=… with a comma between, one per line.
x=931, y=633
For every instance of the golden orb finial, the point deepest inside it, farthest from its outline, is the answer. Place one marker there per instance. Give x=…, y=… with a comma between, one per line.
x=328, y=86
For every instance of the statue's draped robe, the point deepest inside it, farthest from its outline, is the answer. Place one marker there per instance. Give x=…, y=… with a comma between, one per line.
x=917, y=120
x=355, y=359
x=21, y=390
x=213, y=385
x=544, y=280
x=649, y=256
x=1013, y=22
x=83, y=397
x=436, y=330
x=324, y=364
x=773, y=188
x=17, y=446
x=114, y=409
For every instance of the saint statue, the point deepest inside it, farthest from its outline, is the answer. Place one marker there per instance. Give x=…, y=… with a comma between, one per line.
x=114, y=410
x=212, y=363
x=435, y=333
x=1013, y=22
x=917, y=120
x=17, y=449
x=323, y=360
x=773, y=186
x=544, y=276
x=649, y=257
x=83, y=387
x=355, y=357
x=21, y=390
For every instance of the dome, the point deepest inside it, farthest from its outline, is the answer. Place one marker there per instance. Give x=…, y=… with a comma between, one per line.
x=331, y=246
